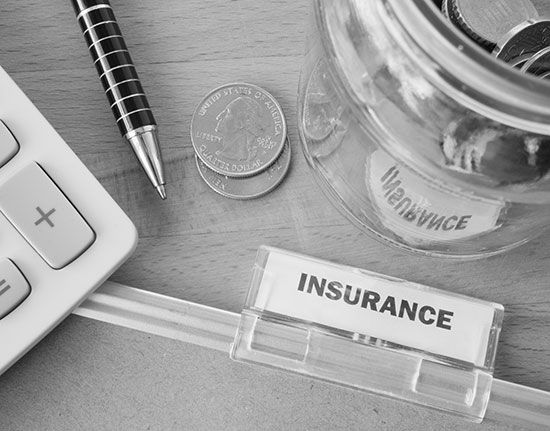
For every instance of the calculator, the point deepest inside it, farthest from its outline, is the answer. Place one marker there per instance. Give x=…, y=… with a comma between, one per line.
x=62, y=234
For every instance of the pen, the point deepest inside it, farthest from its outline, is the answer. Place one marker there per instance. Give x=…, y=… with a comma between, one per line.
x=122, y=86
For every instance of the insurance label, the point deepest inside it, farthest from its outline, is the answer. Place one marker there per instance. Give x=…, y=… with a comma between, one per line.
x=362, y=302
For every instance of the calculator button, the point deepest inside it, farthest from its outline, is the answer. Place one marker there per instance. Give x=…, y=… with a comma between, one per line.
x=8, y=144
x=14, y=288
x=42, y=214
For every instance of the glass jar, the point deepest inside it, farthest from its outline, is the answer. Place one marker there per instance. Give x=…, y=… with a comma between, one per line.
x=420, y=136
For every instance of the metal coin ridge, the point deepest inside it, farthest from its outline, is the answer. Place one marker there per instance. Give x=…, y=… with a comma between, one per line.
x=238, y=130
x=538, y=64
x=249, y=187
x=487, y=21
x=526, y=38
x=445, y=8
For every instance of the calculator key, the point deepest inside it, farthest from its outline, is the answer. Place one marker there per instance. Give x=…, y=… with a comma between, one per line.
x=14, y=288
x=8, y=144
x=42, y=214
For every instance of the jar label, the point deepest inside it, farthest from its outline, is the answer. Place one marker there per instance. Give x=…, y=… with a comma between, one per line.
x=417, y=211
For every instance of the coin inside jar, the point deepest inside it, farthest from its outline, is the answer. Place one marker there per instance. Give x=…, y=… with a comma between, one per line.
x=249, y=187
x=445, y=8
x=519, y=62
x=526, y=38
x=238, y=130
x=321, y=117
x=487, y=21
x=538, y=64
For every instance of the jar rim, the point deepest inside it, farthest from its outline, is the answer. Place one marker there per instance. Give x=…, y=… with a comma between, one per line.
x=490, y=87
x=489, y=76
x=480, y=81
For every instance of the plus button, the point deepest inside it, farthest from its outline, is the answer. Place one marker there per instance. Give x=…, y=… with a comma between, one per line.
x=44, y=216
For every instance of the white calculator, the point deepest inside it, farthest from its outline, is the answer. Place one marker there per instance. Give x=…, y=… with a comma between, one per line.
x=61, y=233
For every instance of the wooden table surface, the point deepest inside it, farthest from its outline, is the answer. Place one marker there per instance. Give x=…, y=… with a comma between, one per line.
x=200, y=246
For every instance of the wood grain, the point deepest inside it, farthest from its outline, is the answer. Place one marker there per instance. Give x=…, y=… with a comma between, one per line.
x=200, y=246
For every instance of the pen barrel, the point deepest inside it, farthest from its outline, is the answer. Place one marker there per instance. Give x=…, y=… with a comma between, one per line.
x=114, y=65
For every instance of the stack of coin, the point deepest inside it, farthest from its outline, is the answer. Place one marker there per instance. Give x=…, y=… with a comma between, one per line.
x=240, y=139
x=511, y=29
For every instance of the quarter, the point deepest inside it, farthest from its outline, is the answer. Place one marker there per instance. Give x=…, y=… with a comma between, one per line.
x=445, y=8
x=487, y=21
x=518, y=62
x=524, y=39
x=238, y=130
x=539, y=64
x=250, y=187
x=321, y=112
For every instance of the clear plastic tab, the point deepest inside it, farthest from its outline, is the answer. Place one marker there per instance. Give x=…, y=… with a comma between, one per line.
x=370, y=332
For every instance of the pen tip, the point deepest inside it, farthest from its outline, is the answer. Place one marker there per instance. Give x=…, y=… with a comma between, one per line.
x=162, y=191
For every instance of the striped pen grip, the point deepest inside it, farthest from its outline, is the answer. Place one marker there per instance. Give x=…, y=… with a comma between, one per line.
x=114, y=65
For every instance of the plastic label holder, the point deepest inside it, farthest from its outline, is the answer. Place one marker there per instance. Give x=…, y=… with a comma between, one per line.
x=265, y=338
x=286, y=286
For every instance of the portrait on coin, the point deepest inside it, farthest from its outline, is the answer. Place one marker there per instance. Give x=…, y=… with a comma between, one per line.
x=241, y=124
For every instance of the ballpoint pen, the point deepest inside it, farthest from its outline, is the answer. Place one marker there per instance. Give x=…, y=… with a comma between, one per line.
x=122, y=86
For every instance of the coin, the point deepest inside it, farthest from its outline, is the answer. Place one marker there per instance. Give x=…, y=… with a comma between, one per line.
x=452, y=14
x=322, y=112
x=238, y=130
x=445, y=8
x=519, y=61
x=539, y=64
x=487, y=21
x=526, y=38
x=249, y=187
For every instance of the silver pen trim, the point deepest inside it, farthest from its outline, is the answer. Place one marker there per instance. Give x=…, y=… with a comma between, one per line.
x=95, y=25
x=144, y=142
x=133, y=112
x=112, y=52
x=140, y=131
x=161, y=189
x=104, y=38
x=92, y=8
x=127, y=97
x=118, y=83
x=120, y=66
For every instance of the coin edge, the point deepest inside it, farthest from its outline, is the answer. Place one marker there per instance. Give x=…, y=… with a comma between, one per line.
x=249, y=197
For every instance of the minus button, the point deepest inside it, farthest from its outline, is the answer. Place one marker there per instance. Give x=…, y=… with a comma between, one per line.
x=4, y=289
x=14, y=287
